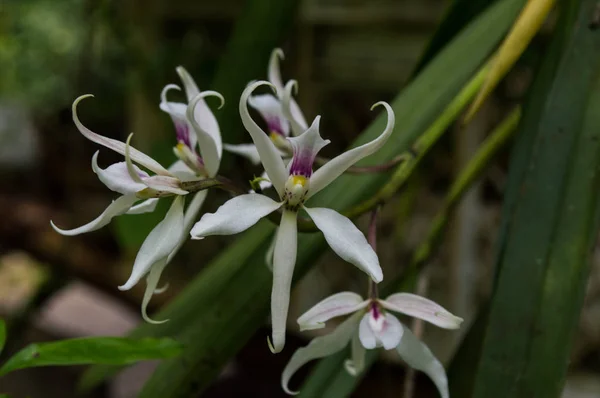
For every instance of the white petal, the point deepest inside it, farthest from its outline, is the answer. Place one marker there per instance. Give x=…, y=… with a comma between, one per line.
x=274, y=72
x=207, y=130
x=116, y=208
x=391, y=333
x=365, y=333
x=235, y=215
x=146, y=206
x=165, y=184
x=320, y=347
x=306, y=146
x=420, y=307
x=264, y=184
x=346, y=240
x=356, y=365
x=181, y=170
x=291, y=110
x=246, y=150
x=270, y=156
x=189, y=85
x=177, y=111
x=284, y=260
x=418, y=356
x=116, y=177
x=271, y=252
x=117, y=146
x=159, y=243
x=336, y=166
x=336, y=305
x=151, y=286
x=269, y=108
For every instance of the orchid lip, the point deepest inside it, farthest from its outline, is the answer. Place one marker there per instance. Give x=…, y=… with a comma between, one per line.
x=182, y=131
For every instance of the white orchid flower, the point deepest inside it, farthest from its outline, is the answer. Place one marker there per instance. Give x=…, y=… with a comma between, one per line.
x=372, y=326
x=282, y=117
x=134, y=183
x=294, y=187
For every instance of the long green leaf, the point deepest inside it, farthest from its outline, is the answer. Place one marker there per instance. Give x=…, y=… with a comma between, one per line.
x=550, y=221
x=223, y=322
x=90, y=350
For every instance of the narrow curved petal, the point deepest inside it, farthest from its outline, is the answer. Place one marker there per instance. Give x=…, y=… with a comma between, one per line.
x=117, y=146
x=333, y=306
x=207, y=130
x=161, y=241
x=346, y=240
x=246, y=150
x=418, y=356
x=291, y=110
x=151, y=287
x=306, y=147
x=320, y=347
x=269, y=108
x=274, y=71
x=146, y=206
x=356, y=365
x=177, y=111
x=422, y=308
x=189, y=85
x=270, y=156
x=235, y=215
x=338, y=165
x=116, y=208
x=117, y=178
x=284, y=260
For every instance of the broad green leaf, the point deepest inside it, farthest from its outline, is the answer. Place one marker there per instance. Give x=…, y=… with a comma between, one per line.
x=91, y=350
x=550, y=220
x=526, y=26
x=2, y=334
x=215, y=324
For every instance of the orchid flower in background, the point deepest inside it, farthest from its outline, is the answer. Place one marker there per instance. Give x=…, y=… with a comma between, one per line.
x=294, y=187
x=135, y=184
x=281, y=123
x=372, y=326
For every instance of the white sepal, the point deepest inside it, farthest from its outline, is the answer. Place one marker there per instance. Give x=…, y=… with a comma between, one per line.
x=235, y=215
x=338, y=165
x=117, y=146
x=207, y=130
x=271, y=252
x=116, y=177
x=274, y=71
x=246, y=150
x=151, y=288
x=418, y=356
x=284, y=261
x=333, y=306
x=116, y=208
x=270, y=156
x=422, y=308
x=320, y=347
x=291, y=110
x=159, y=243
x=146, y=206
x=356, y=365
x=346, y=240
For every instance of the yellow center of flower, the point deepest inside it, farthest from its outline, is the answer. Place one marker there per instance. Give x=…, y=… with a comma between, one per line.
x=296, y=188
x=280, y=141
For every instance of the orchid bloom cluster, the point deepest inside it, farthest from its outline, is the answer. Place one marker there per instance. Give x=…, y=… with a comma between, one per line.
x=287, y=152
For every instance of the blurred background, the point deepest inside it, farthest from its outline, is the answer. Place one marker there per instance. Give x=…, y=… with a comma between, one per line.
x=346, y=55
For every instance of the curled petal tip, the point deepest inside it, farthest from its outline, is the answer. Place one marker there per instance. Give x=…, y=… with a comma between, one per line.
x=291, y=87
x=54, y=227
x=272, y=348
x=150, y=320
x=253, y=86
x=279, y=53
x=382, y=103
x=163, y=93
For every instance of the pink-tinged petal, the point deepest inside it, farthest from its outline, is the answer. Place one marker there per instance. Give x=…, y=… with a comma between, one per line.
x=274, y=71
x=391, y=333
x=270, y=156
x=284, y=261
x=117, y=146
x=207, y=130
x=306, y=147
x=177, y=112
x=333, y=306
x=422, y=308
x=365, y=333
x=269, y=108
x=377, y=329
x=146, y=206
x=319, y=347
x=346, y=240
x=418, y=356
x=291, y=110
x=235, y=215
x=338, y=165
x=356, y=365
x=116, y=208
x=246, y=150
x=116, y=177
x=159, y=244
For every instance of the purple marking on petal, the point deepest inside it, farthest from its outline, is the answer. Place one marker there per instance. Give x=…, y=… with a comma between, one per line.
x=302, y=163
x=182, y=131
x=274, y=125
x=375, y=310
